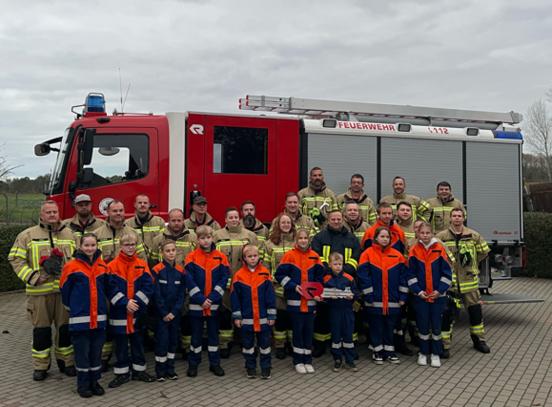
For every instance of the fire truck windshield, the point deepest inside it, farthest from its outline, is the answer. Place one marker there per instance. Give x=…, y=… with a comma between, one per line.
x=58, y=173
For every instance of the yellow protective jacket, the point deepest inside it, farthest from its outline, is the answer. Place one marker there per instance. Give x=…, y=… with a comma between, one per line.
x=148, y=231
x=315, y=203
x=30, y=246
x=358, y=229
x=300, y=222
x=185, y=241
x=274, y=252
x=468, y=249
x=78, y=229
x=192, y=223
x=230, y=241
x=440, y=216
x=420, y=209
x=366, y=205
x=407, y=227
x=110, y=245
x=259, y=229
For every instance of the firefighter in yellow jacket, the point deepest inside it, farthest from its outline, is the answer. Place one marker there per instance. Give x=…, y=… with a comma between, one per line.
x=84, y=220
x=147, y=225
x=37, y=257
x=293, y=210
x=442, y=205
x=468, y=249
x=230, y=241
x=353, y=220
x=199, y=215
x=355, y=193
x=250, y=221
x=317, y=200
x=420, y=208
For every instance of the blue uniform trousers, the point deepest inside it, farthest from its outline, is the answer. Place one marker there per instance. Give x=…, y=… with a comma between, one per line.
x=196, y=323
x=166, y=342
x=136, y=340
x=248, y=346
x=428, y=320
x=302, y=325
x=381, y=332
x=342, y=323
x=88, y=356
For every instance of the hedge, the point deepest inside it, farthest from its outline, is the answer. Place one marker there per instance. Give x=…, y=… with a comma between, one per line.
x=538, y=239
x=8, y=279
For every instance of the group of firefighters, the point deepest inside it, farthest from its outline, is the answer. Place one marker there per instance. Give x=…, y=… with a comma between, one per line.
x=404, y=266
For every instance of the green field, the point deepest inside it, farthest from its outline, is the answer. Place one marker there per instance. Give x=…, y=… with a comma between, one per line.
x=19, y=208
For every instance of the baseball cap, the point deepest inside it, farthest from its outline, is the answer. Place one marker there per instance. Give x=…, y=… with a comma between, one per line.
x=82, y=198
x=199, y=200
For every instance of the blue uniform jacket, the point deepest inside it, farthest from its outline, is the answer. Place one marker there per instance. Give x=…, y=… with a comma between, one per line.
x=342, y=281
x=170, y=288
x=429, y=265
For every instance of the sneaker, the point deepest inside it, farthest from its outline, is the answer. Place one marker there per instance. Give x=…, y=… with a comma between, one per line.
x=251, y=373
x=351, y=366
x=171, y=376
x=192, y=371
x=377, y=358
x=309, y=368
x=300, y=368
x=119, y=380
x=280, y=353
x=39, y=375
x=422, y=360
x=161, y=378
x=393, y=358
x=70, y=371
x=265, y=374
x=435, y=361
x=217, y=370
x=97, y=389
x=445, y=354
x=337, y=365
x=143, y=377
x=85, y=393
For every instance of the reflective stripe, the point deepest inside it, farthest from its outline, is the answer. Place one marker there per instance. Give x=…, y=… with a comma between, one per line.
x=265, y=351
x=297, y=303
x=116, y=298
x=196, y=307
x=299, y=351
x=139, y=368
x=368, y=290
x=81, y=369
x=285, y=280
x=378, y=348
x=121, y=370
x=212, y=348
x=307, y=351
x=248, y=321
x=195, y=350
x=41, y=354
x=271, y=311
x=436, y=337
x=161, y=359
x=162, y=281
x=423, y=337
x=120, y=322
x=170, y=355
x=143, y=297
x=348, y=345
x=389, y=348
x=403, y=289
x=249, y=351
x=446, y=280
x=237, y=315
x=96, y=368
x=390, y=305
x=219, y=290
x=336, y=345
x=412, y=281
x=81, y=320
x=194, y=291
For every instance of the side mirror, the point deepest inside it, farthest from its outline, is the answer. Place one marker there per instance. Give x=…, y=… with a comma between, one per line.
x=86, y=175
x=42, y=149
x=87, y=145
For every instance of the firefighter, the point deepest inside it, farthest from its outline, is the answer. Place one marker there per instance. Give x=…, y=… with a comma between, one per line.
x=199, y=215
x=84, y=220
x=110, y=233
x=83, y=286
x=333, y=238
x=420, y=208
x=299, y=266
x=293, y=210
x=130, y=289
x=469, y=249
x=355, y=193
x=429, y=278
x=405, y=220
x=280, y=241
x=185, y=240
x=353, y=219
x=170, y=287
x=250, y=222
x=207, y=275
x=382, y=279
x=316, y=199
x=441, y=207
x=230, y=241
x=147, y=225
x=37, y=257
x=254, y=311
x=385, y=218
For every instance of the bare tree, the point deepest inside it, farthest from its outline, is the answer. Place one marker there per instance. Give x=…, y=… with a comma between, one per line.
x=5, y=168
x=538, y=131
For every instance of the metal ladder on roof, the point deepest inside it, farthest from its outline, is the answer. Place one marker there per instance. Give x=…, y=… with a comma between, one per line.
x=379, y=112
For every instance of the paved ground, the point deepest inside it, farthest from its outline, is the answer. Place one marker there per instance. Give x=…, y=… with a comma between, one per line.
x=518, y=372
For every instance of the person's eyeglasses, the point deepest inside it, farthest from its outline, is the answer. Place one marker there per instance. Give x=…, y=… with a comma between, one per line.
x=129, y=244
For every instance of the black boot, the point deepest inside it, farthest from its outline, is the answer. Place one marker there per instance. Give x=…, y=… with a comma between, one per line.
x=280, y=353
x=84, y=390
x=318, y=348
x=480, y=345
x=70, y=371
x=97, y=389
x=445, y=354
x=39, y=375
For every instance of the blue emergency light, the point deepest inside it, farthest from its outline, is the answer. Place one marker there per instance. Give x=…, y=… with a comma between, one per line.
x=95, y=102
x=512, y=135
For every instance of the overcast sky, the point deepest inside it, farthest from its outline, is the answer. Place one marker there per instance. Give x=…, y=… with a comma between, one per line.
x=203, y=55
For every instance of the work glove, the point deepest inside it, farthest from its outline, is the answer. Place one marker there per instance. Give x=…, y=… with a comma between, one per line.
x=52, y=264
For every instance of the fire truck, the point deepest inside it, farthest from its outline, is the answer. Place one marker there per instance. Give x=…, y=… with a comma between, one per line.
x=267, y=151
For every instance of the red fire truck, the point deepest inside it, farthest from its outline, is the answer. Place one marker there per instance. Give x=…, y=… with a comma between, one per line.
x=233, y=157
